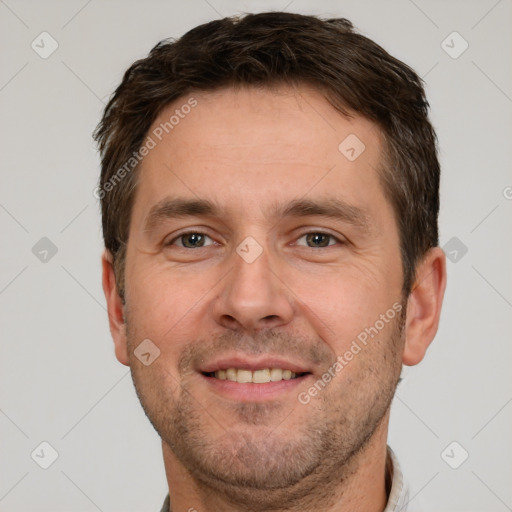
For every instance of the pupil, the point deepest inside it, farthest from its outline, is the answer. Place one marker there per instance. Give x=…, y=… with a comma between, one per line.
x=319, y=238
x=193, y=238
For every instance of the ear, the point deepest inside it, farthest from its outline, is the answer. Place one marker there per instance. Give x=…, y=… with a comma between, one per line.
x=115, y=308
x=424, y=306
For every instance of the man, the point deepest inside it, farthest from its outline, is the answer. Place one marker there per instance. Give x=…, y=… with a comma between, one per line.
x=270, y=193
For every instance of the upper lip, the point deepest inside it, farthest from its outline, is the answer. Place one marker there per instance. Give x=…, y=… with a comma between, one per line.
x=253, y=364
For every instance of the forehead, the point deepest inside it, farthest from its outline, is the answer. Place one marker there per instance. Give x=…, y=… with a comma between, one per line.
x=238, y=121
x=252, y=146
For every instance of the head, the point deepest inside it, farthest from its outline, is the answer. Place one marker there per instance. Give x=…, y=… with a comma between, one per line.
x=269, y=192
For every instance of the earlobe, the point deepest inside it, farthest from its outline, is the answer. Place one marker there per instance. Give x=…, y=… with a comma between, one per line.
x=424, y=306
x=115, y=308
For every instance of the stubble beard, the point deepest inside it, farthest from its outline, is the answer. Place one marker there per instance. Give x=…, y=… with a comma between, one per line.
x=260, y=463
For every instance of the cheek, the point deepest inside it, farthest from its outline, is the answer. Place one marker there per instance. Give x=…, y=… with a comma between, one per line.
x=344, y=308
x=165, y=307
x=341, y=297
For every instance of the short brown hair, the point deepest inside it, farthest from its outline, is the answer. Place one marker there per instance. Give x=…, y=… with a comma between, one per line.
x=353, y=73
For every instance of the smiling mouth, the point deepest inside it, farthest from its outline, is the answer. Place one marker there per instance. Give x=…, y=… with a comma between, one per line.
x=243, y=376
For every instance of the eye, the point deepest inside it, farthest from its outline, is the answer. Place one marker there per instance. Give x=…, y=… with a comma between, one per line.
x=190, y=240
x=319, y=239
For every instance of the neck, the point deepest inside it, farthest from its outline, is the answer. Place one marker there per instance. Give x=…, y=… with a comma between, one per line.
x=358, y=485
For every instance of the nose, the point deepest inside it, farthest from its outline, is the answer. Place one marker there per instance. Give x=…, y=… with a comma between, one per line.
x=253, y=296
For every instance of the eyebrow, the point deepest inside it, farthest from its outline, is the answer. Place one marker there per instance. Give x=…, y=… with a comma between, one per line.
x=328, y=207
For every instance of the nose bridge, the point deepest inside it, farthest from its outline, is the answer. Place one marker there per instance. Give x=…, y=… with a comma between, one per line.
x=252, y=296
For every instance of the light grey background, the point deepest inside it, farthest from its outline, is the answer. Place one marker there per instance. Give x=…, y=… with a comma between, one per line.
x=59, y=379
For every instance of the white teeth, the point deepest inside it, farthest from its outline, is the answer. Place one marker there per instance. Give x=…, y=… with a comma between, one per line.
x=276, y=374
x=230, y=374
x=244, y=376
x=258, y=377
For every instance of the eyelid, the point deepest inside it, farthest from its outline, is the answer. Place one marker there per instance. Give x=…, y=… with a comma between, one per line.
x=187, y=231
x=204, y=232
x=340, y=239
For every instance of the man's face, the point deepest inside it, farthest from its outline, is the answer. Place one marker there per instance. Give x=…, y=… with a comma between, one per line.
x=264, y=282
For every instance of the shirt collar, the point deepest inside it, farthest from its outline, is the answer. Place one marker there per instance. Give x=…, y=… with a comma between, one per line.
x=398, y=494
x=398, y=498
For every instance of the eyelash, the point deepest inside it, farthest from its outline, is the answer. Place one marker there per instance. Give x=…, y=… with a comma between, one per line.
x=314, y=232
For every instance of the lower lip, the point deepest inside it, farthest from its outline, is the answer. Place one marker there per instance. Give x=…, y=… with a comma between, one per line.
x=252, y=392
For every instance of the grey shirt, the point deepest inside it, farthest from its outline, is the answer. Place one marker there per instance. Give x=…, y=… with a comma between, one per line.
x=398, y=495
